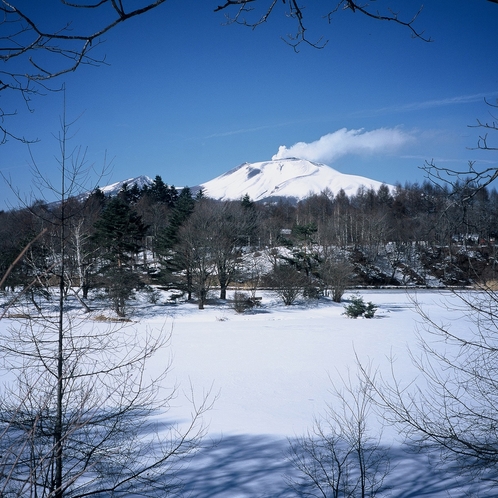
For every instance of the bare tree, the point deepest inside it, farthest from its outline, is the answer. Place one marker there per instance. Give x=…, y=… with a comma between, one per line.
x=336, y=272
x=340, y=457
x=287, y=282
x=33, y=51
x=256, y=272
x=80, y=418
x=195, y=249
x=210, y=244
x=232, y=228
x=79, y=414
x=454, y=413
x=470, y=176
x=81, y=251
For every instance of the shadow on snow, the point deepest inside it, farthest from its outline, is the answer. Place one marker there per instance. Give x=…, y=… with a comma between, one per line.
x=246, y=466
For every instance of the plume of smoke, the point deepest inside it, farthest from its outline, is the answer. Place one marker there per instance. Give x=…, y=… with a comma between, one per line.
x=332, y=146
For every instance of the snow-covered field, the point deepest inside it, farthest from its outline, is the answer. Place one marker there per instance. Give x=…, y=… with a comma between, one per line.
x=272, y=370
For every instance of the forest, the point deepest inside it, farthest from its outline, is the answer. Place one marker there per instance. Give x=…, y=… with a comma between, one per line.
x=413, y=235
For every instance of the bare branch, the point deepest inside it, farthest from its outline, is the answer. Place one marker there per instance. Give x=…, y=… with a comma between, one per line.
x=295, y=11
x=482, y=143
x=392, y=16
x=43, y=55
x=20, y=256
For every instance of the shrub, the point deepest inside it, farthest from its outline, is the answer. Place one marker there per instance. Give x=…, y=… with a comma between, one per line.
x=336, y=273
x=242, y=302
x=288, y=283
x=358, y=307
x=311, y=292
x=153, y=295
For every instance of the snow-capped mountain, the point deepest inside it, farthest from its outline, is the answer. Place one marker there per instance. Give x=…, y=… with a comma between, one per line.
x=115, y=188
x=291, y=178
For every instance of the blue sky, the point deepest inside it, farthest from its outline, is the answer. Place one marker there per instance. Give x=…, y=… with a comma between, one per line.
x=186, y=97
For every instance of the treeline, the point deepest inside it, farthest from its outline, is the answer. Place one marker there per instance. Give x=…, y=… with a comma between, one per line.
x=412, y=235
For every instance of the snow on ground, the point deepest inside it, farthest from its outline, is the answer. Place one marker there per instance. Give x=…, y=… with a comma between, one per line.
x=272, y=371
x=272, y=367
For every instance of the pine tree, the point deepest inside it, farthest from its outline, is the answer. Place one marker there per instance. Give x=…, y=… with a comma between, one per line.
x=184, y=207
x=159, y=190
x=161, y=193
x=119, y=233
x=246, y=202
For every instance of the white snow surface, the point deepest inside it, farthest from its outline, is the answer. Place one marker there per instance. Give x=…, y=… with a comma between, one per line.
x=272, y=372
x=292, y=178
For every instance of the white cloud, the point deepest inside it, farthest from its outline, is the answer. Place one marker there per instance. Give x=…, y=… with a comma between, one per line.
x=332, y=146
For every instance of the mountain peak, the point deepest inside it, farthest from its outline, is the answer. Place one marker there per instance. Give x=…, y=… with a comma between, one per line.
x=291, y=178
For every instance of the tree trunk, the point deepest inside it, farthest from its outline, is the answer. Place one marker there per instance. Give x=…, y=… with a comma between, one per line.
x=223, y=289
x=223, y=280
x=202, y=298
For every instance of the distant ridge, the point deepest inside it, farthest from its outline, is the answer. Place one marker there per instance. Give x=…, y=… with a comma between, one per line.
x=292, y=178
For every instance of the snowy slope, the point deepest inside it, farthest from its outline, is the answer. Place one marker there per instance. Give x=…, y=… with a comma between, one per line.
x=292, y=178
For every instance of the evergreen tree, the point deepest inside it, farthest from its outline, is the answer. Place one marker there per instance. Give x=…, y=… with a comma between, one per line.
x=246, y=202
x=172, y=197
x=134, y=194
x=97, y=197
x=119, y=234
x=159, y=190
x=184, y=207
